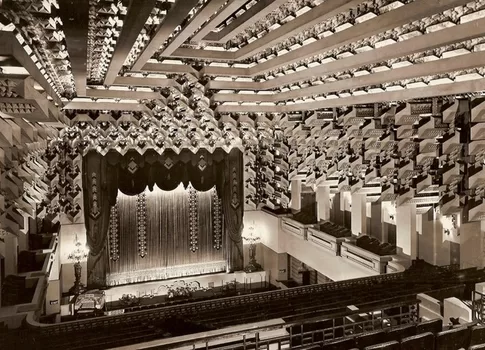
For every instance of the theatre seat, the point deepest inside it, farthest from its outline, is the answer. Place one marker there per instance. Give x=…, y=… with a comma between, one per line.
x=391, y=345
x=418, y=342
x=402, y=332
x=343, y=344
x=453, y=339
x=371, y=338
x=477, y=336
x=433, y=326
x=476, y=347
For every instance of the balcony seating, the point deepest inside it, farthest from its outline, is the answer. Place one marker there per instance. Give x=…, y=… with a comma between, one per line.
x=30, y=261
x=292, y=305
x=453, y=339
x=334, y=230
x=375, y=246
x=432, y=326
x=46, y=226
x=477, y=335
x=342, y=344
x=418, y=342
x=307, y=215
x=371, y=338
x=39, y=241
x=14, y=291
x=391, y=345
x=402, y=332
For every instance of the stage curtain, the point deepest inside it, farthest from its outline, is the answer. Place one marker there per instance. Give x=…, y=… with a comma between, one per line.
x=96, y=187
x=168, y=236
x=233, y=209
x=132, y=173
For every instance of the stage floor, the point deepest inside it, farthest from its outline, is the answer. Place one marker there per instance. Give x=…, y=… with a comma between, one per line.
x=155, y=289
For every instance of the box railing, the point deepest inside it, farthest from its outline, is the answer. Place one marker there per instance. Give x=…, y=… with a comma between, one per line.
x=251, y=336
x=205, y=305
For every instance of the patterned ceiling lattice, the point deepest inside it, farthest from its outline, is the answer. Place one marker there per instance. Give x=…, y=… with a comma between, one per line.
x=157, y=16
x=7, y=88
x=163, y=90
x=41, y=34
x=401, y=33
x=105, y=23
x=364, y=11
x=151, y=133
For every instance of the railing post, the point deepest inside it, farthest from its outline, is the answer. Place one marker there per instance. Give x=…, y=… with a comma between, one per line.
x=256, y=338
x=244, y=341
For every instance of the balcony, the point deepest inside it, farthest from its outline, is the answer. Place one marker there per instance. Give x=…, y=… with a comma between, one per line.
x=25, y=293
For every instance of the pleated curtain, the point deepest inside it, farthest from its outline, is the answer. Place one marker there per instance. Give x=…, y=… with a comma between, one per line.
x=168, y=240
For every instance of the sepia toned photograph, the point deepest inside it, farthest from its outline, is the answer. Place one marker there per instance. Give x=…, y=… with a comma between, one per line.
x=242, y=174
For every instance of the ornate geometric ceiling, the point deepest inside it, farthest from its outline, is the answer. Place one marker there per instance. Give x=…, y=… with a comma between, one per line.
x=268, y=56
x=378, y=97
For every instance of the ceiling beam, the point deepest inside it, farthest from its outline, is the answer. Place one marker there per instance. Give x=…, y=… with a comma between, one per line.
x=231, y=7
x=416, y=44
x=75, y=19
x=26, y=89
x=134, y=21
x=318, y=14
x=195, y=23
x=170, y=69
x=408, y=13
x=10, y=46
x=257, y=12
x=406, y=94
x=148, y=82
x=403, y=15
x=445, y=65
x=174, y=17
x=202, y=54
x=107, y=106
x=123, y=94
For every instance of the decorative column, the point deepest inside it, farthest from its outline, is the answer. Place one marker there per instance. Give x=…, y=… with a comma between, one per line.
x=11, y=258
x=406, y=230
x=376, y=220
x=472, y=244
x=323, y=203
x=295, y=203
x=359, y=214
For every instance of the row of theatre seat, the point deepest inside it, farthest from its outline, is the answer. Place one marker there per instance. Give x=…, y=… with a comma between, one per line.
x=375, y=246
x=335, y=230
x=366, y=242
x=428, y=335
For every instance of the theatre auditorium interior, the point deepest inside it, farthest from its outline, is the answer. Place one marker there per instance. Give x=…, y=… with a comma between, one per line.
x=242, y=174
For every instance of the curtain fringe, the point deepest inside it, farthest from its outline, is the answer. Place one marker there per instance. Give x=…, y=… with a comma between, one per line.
x=217, y=220
x=193, y=219
x=141, y=215
x=114, y=249
x=164, y=273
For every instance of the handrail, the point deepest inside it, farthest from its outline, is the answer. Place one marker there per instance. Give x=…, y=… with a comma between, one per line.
x=203, y=338
x=478, y=306
x=234, y=299
x=209, y=304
